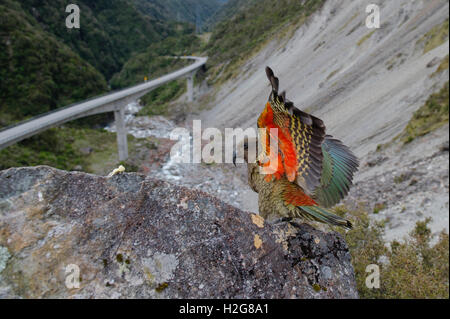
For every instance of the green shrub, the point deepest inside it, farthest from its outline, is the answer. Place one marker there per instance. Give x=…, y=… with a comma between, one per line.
x=435, y=37
x=412, y=269
x=442, y=67
x=431, y=116
x=53, y=147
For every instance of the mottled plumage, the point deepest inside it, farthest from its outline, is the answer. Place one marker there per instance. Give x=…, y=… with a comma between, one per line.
x=300, y=138
x=315, y=170
x=281, y=198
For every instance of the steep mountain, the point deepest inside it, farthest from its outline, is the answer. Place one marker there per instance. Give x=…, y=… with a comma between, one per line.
x=38, y=73
x=227, y=11
x=111, y=31
x=251, y=26
x=192, y=11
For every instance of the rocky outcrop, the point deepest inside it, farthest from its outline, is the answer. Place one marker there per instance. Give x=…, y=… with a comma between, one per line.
x=134, y=237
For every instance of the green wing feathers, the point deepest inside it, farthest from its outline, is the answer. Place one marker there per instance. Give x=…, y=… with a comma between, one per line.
x=339, y=165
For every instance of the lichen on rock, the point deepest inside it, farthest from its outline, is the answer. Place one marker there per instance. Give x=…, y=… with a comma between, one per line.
x=130, y=238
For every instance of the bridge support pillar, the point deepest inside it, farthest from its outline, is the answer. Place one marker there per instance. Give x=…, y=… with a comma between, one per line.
x=190, y=86
x=122, y=142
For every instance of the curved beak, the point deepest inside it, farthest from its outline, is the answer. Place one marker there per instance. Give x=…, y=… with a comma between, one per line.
x=234, y=158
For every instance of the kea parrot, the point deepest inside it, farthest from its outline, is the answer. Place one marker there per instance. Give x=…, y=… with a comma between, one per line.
x=313, y=171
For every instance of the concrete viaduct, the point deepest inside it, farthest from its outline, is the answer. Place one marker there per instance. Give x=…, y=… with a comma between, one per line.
x=113, y=102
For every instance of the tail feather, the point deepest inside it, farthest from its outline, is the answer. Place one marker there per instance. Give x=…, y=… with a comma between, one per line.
x=319, y=214
x=273, y=80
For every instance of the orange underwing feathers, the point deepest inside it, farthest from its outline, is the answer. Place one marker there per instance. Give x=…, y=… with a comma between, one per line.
x=300, y=137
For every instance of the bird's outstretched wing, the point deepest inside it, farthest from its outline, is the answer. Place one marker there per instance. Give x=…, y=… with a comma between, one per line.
x=300, y=137
x=339, y=165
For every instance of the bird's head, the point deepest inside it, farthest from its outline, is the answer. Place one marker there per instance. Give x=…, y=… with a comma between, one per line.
x=246, y=150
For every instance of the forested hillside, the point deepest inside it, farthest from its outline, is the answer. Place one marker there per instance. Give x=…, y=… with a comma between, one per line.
x=37, y=72
x=154, y=61
x=228, y=9
x=44, y=66
x=192, y=11
x=110, y=30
